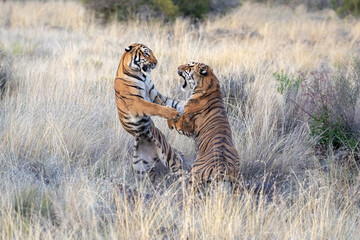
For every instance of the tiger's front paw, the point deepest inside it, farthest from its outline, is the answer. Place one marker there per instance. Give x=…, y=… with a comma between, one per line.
x=170, y=124
x=171, y=114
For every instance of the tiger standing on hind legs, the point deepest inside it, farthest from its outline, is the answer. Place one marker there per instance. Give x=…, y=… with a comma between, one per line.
x=137, y=100
x=205, y=120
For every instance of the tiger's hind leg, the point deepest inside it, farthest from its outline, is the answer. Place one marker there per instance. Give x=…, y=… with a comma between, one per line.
x=152, y=147
x=144, y=158
x=169, y=157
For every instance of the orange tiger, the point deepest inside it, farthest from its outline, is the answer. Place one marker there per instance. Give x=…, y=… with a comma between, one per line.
x=137, y=100
x=206, y=121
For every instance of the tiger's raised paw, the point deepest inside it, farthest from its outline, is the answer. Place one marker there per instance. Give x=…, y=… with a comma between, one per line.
x=171, y=114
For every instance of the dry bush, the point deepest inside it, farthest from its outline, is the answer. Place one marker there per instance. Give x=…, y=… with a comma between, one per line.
x=311, y=4
x=62, y=145
x=329, y=102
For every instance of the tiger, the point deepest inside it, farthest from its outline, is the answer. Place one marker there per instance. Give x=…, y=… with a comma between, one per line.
x=205, y=120
x=137, y=100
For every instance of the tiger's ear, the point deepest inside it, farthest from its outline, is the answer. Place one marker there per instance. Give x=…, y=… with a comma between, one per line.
x=203, y=72
x=128, y=49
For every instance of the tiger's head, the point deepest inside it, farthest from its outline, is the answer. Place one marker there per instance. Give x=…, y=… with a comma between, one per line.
x=139, y=57
x=198, y=77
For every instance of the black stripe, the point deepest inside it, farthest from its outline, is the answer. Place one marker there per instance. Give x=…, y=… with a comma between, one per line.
x=210, y=173
x=135, y=124
x=134, y=86
x=121, y=96
x=169, y=155
x=228, y=151
x=151, y=89
x=136, y=95
x=141, y=129
x=208, y=109
x=126, y=72
x=122, y=112
x=118, y=97
x=192, y=117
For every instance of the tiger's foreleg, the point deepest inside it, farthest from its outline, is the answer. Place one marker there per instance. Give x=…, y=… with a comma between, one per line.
x=142, y=107
x=184, y=125
x=166, y=101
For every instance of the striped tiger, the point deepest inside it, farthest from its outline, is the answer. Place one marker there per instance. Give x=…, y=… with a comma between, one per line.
x=137, y=100
x=206, y=121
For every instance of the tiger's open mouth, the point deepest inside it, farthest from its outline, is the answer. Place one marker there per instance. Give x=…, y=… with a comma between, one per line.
x=183, y=86
x=147, y=67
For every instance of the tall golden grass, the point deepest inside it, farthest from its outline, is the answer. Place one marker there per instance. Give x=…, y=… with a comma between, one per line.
x=65, y=170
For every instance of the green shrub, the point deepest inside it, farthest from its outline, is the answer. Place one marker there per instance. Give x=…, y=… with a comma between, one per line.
x=165, y=9
x=346, y=7
x=332, y=133
x=195, y=9
x=106, y=9
x=286, y=82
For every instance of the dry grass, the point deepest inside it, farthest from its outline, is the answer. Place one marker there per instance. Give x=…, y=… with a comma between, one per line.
x=64, y=155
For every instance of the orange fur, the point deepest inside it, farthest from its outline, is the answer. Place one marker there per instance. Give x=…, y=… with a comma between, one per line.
x=136, y=100
x=205, y=120
x=130, y=102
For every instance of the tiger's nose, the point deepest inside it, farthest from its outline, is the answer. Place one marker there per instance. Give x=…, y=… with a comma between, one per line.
x=179, y=71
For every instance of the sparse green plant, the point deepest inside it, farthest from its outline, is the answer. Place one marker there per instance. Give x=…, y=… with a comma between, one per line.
x=17, y=48
x=333, y=134
x=286, y=82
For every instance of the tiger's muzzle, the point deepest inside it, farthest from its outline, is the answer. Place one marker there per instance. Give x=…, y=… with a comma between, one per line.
x=147, y=67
